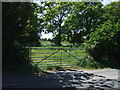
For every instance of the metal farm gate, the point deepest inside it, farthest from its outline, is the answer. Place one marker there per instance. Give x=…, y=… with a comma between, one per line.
x=51, y=57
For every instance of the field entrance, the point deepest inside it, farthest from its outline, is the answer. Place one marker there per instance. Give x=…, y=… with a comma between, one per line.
x=57, y=57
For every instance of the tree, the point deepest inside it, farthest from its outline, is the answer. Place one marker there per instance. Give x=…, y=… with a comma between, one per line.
x=104, y=41
x=56, y=13
x=85, y=17
x=18, y=25
x=26, y=25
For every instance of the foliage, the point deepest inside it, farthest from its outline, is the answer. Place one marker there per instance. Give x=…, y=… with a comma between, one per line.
x=71, y=20
x=54, y=18
x=89, y=63
x=84, y=18
x=99, y=24
x=104, y=42
x=19, y=28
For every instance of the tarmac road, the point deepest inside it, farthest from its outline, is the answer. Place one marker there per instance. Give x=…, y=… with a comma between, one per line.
x=108, y=73
x=98, y=79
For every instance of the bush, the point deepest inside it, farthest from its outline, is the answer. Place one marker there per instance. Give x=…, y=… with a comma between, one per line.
x=89, y=63
x=104, y=43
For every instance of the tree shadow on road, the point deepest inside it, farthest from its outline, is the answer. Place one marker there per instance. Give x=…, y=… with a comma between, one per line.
x=61, y=79
x=81, y=79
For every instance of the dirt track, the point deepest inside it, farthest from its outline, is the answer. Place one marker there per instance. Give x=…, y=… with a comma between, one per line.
x=100, y=79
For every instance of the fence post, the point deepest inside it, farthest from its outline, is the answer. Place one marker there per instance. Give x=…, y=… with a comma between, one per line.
x=30, y=52
x=61, y=58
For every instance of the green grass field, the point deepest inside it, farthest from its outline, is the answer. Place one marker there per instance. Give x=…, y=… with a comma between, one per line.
x=61, y=57
x=75, y=58
x=68, y=57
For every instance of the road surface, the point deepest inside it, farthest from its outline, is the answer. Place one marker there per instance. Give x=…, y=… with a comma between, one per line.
x=98, y=79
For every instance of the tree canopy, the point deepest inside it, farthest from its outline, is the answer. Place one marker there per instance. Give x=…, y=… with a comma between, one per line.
x=104, y=41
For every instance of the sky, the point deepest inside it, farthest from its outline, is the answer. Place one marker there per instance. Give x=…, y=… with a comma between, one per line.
x=105, y=2
x=49, y=35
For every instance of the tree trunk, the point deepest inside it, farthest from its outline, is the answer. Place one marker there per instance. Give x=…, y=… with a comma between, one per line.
x=59, y=38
